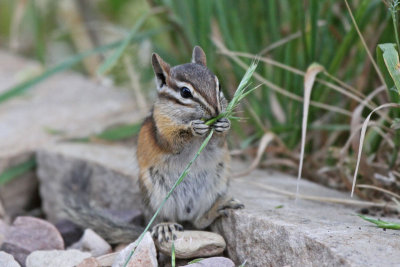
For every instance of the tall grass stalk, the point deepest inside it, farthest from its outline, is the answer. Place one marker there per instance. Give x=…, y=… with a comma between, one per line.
x=240, y=93
x=309, y=80
x=362, y=137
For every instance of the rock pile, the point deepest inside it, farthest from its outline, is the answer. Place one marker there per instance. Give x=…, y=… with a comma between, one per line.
x=34, y=242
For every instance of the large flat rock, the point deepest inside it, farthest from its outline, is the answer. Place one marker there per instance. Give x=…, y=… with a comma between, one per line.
x=67, y=103
x=301, y=233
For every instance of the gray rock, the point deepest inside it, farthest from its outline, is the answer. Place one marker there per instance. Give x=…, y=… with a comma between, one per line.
x=213, y=262
x=50, y=258
x=67, y=103
x=194, y=244
x=28, y=234
x=91, y=166
x=92, y=243
x=145, y=254
x=7, y=260
x=305, y=233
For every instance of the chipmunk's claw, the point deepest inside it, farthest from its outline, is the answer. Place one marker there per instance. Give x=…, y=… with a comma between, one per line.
x=222, y=125
x=199, y=128
x=164, y=232
x=231, y=204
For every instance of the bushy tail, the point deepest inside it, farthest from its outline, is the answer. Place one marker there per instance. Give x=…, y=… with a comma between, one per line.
x=77, y=206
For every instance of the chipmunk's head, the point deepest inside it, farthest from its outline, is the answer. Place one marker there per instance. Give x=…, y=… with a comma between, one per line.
x=191, y=88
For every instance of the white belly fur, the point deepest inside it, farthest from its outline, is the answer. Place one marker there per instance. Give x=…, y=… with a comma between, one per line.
x=196, y=194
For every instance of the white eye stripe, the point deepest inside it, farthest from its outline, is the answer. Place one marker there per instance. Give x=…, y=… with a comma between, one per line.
x=187, y=85
x=176, y=95
x=203, y=101
x=218, y=94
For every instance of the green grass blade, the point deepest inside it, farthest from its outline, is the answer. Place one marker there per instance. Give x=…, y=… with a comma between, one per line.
x=196, y=260
x=391, y=59
x=66, y=64
x=381, y=224
x=112, y=60
x=15, y=171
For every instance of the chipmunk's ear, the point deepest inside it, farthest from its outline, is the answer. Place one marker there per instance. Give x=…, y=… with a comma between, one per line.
x=161, y=70
x=198, y=56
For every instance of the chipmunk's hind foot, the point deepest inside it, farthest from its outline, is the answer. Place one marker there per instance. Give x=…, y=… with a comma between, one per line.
x=232, y=203
x=165, y=232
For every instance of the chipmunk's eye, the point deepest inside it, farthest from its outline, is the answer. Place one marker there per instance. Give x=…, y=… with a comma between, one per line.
x=185, y=92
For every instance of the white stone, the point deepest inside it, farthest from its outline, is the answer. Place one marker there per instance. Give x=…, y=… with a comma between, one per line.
x=145, y=254
x=93, y=243
x=194, y=244
x=108, y=259
x=213, y=262
x=50, y=258
x=7, y=260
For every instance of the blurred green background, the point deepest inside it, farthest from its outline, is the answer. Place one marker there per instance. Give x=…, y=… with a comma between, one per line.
x=288, y=35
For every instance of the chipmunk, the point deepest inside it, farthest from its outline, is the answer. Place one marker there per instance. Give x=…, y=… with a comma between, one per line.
x=188, y=95
x=170, y=136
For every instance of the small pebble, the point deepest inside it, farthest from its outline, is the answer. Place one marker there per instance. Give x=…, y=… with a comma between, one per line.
x=145, y=254
x=194, y=244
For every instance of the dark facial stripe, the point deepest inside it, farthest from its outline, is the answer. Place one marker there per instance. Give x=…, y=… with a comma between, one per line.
x=202, y=105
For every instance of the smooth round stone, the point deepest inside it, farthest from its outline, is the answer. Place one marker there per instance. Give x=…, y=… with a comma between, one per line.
x=194, y=244
x=64, y=258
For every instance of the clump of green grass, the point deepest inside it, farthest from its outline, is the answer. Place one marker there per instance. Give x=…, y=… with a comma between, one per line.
x=240, y=93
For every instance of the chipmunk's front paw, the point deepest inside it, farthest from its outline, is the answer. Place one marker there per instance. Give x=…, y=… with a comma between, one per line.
x=222, y=125
x=165, y=231
x=230, y=204
x=199, y=128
